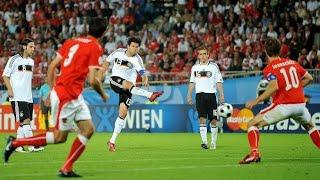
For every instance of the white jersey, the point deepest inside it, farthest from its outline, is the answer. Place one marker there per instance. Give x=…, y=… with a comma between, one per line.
x=124, y=66
x=205, y=77
x=20, y=71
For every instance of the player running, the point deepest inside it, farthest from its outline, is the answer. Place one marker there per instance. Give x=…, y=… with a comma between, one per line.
x=77, y=58
x=286, y=82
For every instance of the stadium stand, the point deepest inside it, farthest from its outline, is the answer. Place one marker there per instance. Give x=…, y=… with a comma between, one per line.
x=233, y=31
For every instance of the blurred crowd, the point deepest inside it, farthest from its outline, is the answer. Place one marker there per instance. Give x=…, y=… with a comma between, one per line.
x=171, y=30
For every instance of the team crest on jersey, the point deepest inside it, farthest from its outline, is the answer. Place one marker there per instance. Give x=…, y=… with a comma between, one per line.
x=207, y=74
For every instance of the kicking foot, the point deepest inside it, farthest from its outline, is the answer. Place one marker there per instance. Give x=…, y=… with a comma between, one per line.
x=9, y=149
x=250, y=158
x=112, y=146
x=68, y=174
x=155, y=95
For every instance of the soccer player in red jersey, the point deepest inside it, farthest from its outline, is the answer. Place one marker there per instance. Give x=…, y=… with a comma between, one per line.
x=286, y=82
x=77, y=58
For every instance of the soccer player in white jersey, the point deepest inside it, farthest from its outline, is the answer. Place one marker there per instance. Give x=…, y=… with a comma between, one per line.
x=207, y=80
x=127, y=64
x=17, y=77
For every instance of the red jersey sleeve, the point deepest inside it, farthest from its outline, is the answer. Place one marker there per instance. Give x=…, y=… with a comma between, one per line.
x=96, y=53
x=269, y=74
x=63, y=50
x=301, y=70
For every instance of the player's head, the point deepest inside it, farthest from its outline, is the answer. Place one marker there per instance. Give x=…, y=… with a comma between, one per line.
x=203, y=54
x=97, y=26
x=133, y=45
x=27, y=46
x=273, y=47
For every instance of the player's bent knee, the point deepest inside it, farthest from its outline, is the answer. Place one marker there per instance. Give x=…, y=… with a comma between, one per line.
x=60, y=139
x=87, y=129
x=308, y=125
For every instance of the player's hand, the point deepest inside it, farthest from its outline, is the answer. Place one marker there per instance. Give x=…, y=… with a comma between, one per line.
x=189, y=99
x=251, y=104
x=10, y=93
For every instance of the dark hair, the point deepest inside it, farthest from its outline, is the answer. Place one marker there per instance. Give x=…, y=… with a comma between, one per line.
x=97, y=27
x=26, y=41
x=202, y=47
x=135, y=40
x=272, y=47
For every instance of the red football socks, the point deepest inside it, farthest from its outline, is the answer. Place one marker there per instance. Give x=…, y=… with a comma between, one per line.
x=38, y=140
x=253, y=137
x=315, y=136
x=75, y=152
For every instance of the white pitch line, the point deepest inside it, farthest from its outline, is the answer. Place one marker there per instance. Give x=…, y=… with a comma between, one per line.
x=104, y=171
x=152, y=159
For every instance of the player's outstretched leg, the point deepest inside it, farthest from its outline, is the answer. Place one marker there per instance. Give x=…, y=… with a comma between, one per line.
x=38, y=140
x=254, y=155
x=141, y=92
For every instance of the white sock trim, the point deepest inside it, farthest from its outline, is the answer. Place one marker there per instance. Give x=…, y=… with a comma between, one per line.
x=49, y=137
x=253, y=128
x=312, y=130
x=84, y=140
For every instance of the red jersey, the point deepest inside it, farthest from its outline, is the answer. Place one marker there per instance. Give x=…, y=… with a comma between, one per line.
x=77, y=56
x=288, y=74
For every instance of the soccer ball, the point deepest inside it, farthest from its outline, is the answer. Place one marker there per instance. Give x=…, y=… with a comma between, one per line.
x=225, y=110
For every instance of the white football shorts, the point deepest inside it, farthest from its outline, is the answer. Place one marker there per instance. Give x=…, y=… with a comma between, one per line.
x=277, y=112
x=70, y=112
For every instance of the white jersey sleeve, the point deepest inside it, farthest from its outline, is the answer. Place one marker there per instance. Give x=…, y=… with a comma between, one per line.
x=110, y=58
x=139, y=67
x=9, y=66
x=192, y=75
x=218, y=75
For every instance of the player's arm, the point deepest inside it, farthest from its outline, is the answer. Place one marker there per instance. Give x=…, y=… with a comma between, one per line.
x=142, y=72
x=190, y=90
x=271, y=88
x=306, y=79
x=191, y=87
x=6, y=77
x=6, y=80
x=219, y=81
x=103, y=70
x=95, y=82
x=145, y=80
x=220, y=91
x=51, y=70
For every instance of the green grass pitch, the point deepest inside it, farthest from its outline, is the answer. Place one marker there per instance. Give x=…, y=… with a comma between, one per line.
x=172, y=156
